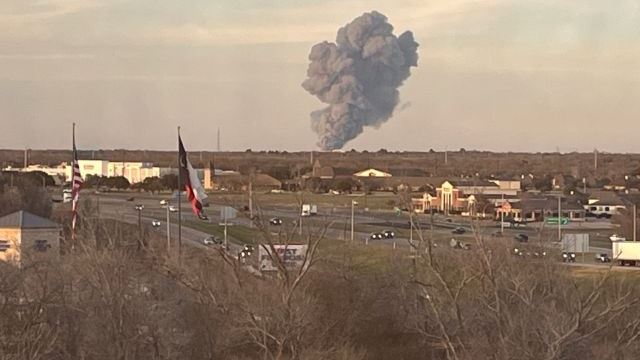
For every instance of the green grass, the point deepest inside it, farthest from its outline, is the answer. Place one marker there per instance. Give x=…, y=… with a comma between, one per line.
x=236, y=233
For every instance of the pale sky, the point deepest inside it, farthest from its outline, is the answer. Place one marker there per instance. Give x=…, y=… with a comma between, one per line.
x=519, y=75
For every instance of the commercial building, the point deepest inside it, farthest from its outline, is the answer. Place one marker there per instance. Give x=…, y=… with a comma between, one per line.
x=135, y=172
x=26, y=237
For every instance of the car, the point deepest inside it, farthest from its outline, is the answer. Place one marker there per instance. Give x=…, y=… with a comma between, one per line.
x=211, y=240
x=375, y=236
x=521, y=238
x=138, y=207
x=173, y=209
x=248, y=247
x=616, y=237
x=603, y=258
x=164, y=202
x=458, y=230
x=155, y=223
x=246, y=251
x=130, y=198
x=275, y=221
x=388, y=234
x=568, y=256
x=449, y=220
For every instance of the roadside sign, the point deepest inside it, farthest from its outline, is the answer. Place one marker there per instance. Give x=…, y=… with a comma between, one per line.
x=227, y=212
x=554, y=221
x=578, y=243
x=292, y=256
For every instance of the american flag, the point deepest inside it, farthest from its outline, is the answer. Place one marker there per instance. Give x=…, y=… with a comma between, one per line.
x=76, y=184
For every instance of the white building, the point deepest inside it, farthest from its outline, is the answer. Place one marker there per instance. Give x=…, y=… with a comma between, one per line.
x=135, y=172
x=89, y=167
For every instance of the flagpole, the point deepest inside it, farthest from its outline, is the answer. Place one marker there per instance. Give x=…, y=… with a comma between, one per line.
x=179, y=199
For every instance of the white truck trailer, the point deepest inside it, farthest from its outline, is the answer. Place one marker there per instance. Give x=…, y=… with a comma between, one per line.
x=626, y=252
x=309, y=210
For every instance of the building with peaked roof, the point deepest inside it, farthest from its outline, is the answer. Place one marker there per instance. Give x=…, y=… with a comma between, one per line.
x=372, y=173
x=605, y=203
x=25, y=237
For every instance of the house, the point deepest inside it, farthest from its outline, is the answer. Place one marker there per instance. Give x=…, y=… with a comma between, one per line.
x=327, y=172
x=372, y=173
x=604, y=203
x=25, y=237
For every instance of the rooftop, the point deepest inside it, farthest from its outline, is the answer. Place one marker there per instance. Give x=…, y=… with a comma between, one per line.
x=26, y=220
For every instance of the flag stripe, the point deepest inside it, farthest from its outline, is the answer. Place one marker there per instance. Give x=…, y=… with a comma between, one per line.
x=76, y=182
x=191, y=183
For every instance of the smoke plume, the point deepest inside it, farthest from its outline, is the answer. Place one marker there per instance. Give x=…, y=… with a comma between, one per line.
x=358, y=76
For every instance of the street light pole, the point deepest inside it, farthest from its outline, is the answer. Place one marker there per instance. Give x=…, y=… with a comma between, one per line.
x=139, y=209
x=635, y=216
x=168, y=231
x=353, y=204
x=560, y=217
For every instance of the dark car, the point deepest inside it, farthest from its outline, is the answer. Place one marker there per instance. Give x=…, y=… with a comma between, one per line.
x=569, y=257
x=212, y=240
x=521, y=238
x=376, y=236
x=388, y=234
x=131, y=198
x=275, y=221
x=458, y=231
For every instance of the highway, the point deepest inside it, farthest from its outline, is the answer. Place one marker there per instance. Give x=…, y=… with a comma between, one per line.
x=116, y=206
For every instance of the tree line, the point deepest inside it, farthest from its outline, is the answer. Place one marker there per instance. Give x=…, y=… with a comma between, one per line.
x=108, y=300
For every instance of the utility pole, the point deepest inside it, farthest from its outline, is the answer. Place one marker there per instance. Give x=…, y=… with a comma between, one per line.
x=595, y=160
x=635, y=217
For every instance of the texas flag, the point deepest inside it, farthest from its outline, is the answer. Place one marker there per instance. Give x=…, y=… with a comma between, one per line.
x=191, y=183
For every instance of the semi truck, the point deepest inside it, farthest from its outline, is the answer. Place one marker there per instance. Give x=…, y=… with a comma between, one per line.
x=626, y=252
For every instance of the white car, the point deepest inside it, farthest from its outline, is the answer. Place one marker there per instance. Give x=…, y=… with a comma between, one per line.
x=164, y=202
x=155, y=223
x=173, y=209
x=616, y=237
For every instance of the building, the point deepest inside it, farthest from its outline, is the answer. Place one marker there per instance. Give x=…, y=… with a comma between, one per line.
x=507, y=187
x=25, y=237
x=90, y=167
x=604, y=203
x=135, y=172
x=530, y=209
x=371, y=173
x=58, y=173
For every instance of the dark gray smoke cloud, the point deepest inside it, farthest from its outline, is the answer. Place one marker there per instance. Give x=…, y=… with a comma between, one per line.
x=358, y=76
